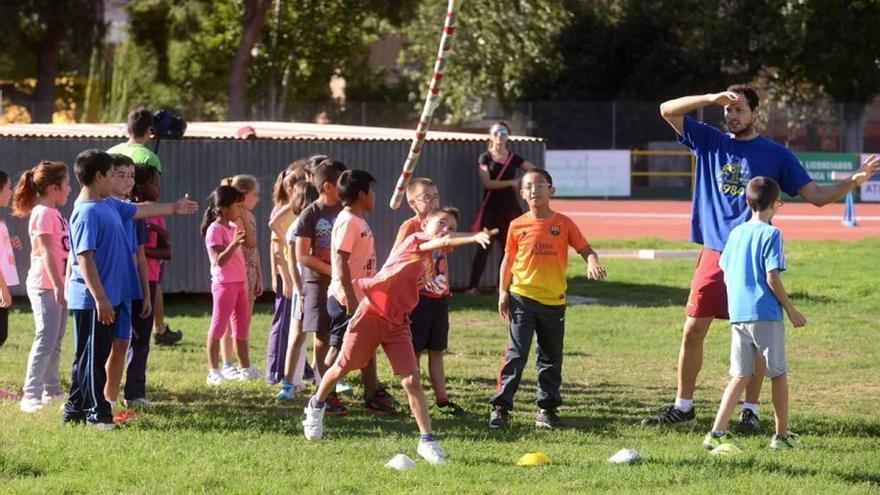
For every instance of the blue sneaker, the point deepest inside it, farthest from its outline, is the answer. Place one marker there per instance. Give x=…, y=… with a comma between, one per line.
x=286, y=393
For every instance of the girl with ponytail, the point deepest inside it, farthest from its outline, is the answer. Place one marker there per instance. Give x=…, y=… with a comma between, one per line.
x=40, y=192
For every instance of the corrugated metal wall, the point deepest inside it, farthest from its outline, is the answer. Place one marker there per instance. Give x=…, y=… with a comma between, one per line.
x=196, y=166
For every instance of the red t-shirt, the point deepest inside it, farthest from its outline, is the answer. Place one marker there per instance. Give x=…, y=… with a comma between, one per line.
x=394, y=291
x=437, y=276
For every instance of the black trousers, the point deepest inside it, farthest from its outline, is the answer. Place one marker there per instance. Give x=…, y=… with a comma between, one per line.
x=4, y=325
x=139, y=349
x=92, y=342
x=528, y=318
x=493, y=218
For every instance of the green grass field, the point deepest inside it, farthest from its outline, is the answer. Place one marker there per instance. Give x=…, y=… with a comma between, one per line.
x=619, y=366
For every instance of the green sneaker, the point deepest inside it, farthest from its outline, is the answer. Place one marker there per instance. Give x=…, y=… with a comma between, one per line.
x=710, y=441
x=789, y=442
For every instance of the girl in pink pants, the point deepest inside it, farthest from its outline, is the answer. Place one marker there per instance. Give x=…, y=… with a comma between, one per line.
x=223, y=241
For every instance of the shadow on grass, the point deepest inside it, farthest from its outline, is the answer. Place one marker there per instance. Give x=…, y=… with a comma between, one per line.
x=13, y=468
x=732, y=467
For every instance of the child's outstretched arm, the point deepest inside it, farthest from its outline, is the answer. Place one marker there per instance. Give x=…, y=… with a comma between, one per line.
x=183, y=206
x=595, y=270
x=775, y=283
x=457, y=239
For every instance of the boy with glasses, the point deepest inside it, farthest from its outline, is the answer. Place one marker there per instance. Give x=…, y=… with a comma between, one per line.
x=531, y=298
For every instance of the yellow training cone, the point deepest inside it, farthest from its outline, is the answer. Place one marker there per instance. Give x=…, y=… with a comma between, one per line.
x=533, y=459
x=725, y=449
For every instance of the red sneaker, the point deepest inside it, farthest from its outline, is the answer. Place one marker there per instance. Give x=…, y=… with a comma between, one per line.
x=124, y=415
x=334, y=406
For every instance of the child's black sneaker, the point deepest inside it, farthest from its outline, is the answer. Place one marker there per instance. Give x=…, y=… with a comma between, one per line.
x=499, y=418
x=448, y=408
x=547, y=418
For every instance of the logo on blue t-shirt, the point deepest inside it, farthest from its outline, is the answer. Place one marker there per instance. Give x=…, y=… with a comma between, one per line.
x=733, y=176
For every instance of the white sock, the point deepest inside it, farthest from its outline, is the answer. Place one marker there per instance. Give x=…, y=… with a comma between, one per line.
x=750, y=407
x=684, y=405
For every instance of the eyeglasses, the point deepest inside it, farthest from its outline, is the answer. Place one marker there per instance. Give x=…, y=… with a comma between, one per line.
x=428, y=198
x=537, y=186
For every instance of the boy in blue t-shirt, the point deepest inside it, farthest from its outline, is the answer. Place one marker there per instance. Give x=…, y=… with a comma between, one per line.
x=752, y=261
x=102, y=276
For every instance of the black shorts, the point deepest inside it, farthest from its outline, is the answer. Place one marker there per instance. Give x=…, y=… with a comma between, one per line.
x=314, y=305
x=338, y=322
x=429, y=324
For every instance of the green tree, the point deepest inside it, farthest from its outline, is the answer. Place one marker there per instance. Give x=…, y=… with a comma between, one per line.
x=834, y=45
x=46, y=41
x=499, y=47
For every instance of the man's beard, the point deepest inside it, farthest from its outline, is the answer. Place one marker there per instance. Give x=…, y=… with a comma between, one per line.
x=743, y=131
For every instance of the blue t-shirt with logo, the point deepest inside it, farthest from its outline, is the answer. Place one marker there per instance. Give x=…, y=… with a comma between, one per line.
x=97, y=226
x=753, y=250
x=723, y=168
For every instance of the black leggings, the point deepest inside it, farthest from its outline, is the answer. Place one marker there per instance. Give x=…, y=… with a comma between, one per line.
x=4, y=325
x=492, y=219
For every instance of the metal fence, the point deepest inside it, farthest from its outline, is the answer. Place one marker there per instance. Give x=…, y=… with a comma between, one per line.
x=195, y=166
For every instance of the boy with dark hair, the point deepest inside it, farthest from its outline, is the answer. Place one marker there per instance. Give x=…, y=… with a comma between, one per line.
x=102, y=276
x=531, y=298
x=752, y=261
x=314, y=229
x=381, y=319
x=429, y=320
x=353, y=257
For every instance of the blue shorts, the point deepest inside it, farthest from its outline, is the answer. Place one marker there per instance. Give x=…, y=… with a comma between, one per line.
x=122, y=325
x=338, y=322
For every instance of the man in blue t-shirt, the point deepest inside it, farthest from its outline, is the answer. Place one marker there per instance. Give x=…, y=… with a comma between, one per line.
x=724, y=164
x=102, y=277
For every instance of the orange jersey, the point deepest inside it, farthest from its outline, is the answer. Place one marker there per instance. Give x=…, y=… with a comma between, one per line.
x=538, y=251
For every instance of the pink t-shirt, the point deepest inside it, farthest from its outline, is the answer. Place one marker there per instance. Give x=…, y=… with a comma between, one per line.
x=7, y=257
x=394, y=291
x=154, y=266
x=234, y=270
x=48, y=222
x=351, y=234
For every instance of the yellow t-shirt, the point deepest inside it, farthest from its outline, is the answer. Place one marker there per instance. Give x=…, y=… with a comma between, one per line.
x=539, y=249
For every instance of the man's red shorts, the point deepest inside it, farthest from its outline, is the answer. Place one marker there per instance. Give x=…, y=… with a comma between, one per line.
x=708, y=297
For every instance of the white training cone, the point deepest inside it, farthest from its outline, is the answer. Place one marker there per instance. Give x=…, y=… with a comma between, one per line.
x=625, y=456
x=400, y=462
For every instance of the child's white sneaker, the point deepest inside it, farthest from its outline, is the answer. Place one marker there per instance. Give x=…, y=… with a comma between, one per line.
x=229, y=372
x=30, y=404
x=313, y=425
x=248, y=374
x=49, y=398
x=215, y=377
x=431, y=452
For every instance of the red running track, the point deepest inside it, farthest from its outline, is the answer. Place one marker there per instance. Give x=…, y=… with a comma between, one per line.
x=625, y=219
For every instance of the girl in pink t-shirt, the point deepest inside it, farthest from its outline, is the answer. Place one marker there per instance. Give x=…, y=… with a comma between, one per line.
x=40, y=192
x=223, y=241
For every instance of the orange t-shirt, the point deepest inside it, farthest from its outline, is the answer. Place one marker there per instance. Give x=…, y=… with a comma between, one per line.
x=539, y=250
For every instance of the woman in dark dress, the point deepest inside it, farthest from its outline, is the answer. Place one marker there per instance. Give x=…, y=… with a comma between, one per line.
x=498, y=168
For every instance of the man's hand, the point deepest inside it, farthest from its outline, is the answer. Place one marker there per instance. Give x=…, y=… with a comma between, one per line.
x=724, y=98
x=185, y=206
x=797, y=319
x=595, y=271
x=870, y=167
x=503, y=305
x=106, y=314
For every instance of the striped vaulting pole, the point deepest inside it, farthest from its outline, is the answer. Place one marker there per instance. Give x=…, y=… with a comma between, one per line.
x=431, y=102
